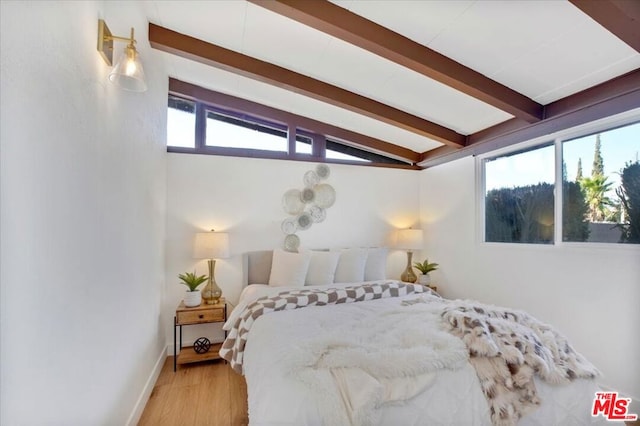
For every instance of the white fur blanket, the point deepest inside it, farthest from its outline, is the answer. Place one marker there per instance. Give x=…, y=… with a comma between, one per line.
x=358, y=368
x=507, y=348
x=232, y=349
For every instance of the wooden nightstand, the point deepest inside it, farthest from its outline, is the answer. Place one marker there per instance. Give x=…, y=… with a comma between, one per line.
x=202, y=314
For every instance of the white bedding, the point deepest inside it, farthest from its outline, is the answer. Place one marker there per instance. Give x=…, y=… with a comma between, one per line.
x=449, y=396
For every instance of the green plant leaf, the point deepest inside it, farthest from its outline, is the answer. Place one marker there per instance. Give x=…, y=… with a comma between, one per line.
x=425, y=267
x=191, y=280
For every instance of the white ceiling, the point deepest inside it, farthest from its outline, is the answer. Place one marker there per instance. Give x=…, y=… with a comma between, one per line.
x=545, y=50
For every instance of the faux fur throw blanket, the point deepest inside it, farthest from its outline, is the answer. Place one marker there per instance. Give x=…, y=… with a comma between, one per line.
x=381, y=358
x=507, y=348
x=233, y=347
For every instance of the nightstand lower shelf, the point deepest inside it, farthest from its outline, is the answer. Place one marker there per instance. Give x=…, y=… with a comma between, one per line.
x=202, y=314
x=187, y=355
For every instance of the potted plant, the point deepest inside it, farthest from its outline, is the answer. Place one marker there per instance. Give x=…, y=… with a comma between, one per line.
x=424, y=268
x=192, y=297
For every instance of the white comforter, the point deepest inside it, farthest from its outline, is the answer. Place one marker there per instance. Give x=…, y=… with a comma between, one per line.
x=282, y=392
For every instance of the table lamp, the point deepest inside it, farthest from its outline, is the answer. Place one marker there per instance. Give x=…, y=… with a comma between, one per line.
x=409, y=239
x=211, y=246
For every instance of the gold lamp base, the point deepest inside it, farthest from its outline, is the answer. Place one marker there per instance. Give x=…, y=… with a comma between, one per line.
x=211, y=293
x=408, y=275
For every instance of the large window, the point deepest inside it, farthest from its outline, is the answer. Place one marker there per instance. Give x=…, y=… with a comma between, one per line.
x=519, y=197
x=583, y=188
x=205, y=122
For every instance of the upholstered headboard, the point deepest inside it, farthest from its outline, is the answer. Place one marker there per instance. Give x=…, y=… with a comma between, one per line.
x=257, y=267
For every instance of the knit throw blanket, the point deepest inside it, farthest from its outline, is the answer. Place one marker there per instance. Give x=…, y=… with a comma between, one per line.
x=233, y=347
x=507, y=348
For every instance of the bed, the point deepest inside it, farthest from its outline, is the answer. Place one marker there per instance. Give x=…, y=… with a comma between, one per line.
x=382, y=352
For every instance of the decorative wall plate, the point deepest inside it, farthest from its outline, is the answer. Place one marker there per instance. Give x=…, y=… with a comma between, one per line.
x=325, y=195
x=291, y=243
x=306, y=206
x=323, y=171
x=310, y=178
x=292, y=202
x=318, y=214
x=307, y=195
x=304, y=221
x=289, y=225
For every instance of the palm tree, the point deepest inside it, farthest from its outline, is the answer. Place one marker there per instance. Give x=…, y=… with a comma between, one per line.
x=595, y=189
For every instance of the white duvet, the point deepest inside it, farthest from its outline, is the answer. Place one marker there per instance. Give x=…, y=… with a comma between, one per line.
x=282, y=391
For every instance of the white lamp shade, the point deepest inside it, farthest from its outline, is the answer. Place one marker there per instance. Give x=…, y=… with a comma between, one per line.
x=409, y=239
x=211, y=245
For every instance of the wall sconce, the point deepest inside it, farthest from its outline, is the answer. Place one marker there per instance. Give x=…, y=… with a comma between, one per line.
x=127, y=72
x=409, y=239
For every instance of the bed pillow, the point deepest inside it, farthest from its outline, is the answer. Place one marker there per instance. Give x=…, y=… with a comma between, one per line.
x=376, y=266
x=322, y=267
x=289, y=269
x=351, y=265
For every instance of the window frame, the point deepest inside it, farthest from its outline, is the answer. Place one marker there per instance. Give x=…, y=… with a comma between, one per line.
x=320, y=133
x=556, y=138
x=276, y=127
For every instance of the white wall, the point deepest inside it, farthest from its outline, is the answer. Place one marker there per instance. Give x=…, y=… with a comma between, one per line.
x=82, y=216
x=590, y=293
x=243, y=196
x=84, y=306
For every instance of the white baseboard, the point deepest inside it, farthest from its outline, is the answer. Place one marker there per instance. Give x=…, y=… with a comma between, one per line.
x=138, y=409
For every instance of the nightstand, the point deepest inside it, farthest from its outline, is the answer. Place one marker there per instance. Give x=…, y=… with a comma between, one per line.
x=202, y=314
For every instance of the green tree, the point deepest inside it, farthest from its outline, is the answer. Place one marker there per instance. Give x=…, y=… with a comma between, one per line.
x=525, y=214
x=579, y=174
x=595, y=190
x=575, y=226
x=598, y=162
x=629, y=193
x=520, y=215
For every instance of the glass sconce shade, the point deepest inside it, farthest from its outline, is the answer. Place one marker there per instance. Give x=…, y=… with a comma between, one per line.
x=128, y=72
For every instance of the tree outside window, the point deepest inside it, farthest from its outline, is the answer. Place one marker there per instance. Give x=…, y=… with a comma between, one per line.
x=600, y=191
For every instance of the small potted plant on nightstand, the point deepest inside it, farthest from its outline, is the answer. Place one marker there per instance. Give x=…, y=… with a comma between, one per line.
x=192, y=297
x=424, y=268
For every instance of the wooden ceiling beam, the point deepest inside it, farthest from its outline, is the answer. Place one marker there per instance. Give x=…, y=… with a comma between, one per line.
x=619, y=17
x=206, y=53
x=352, y=28
x=606, y=99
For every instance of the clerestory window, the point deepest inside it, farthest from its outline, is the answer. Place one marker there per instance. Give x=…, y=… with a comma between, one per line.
x=205, y=122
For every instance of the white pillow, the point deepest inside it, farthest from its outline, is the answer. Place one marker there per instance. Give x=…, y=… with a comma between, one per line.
x=351, y=265
x=289, y=269
x=322, y=267
x=376, y=266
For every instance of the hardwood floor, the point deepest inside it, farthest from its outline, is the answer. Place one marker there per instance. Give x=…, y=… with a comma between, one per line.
x=207, y=393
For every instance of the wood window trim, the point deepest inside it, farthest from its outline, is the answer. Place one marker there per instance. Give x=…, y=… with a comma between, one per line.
x=607, y=99
x=205, y=98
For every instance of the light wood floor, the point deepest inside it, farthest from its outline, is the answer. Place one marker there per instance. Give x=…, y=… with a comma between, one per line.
x=206, y=393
